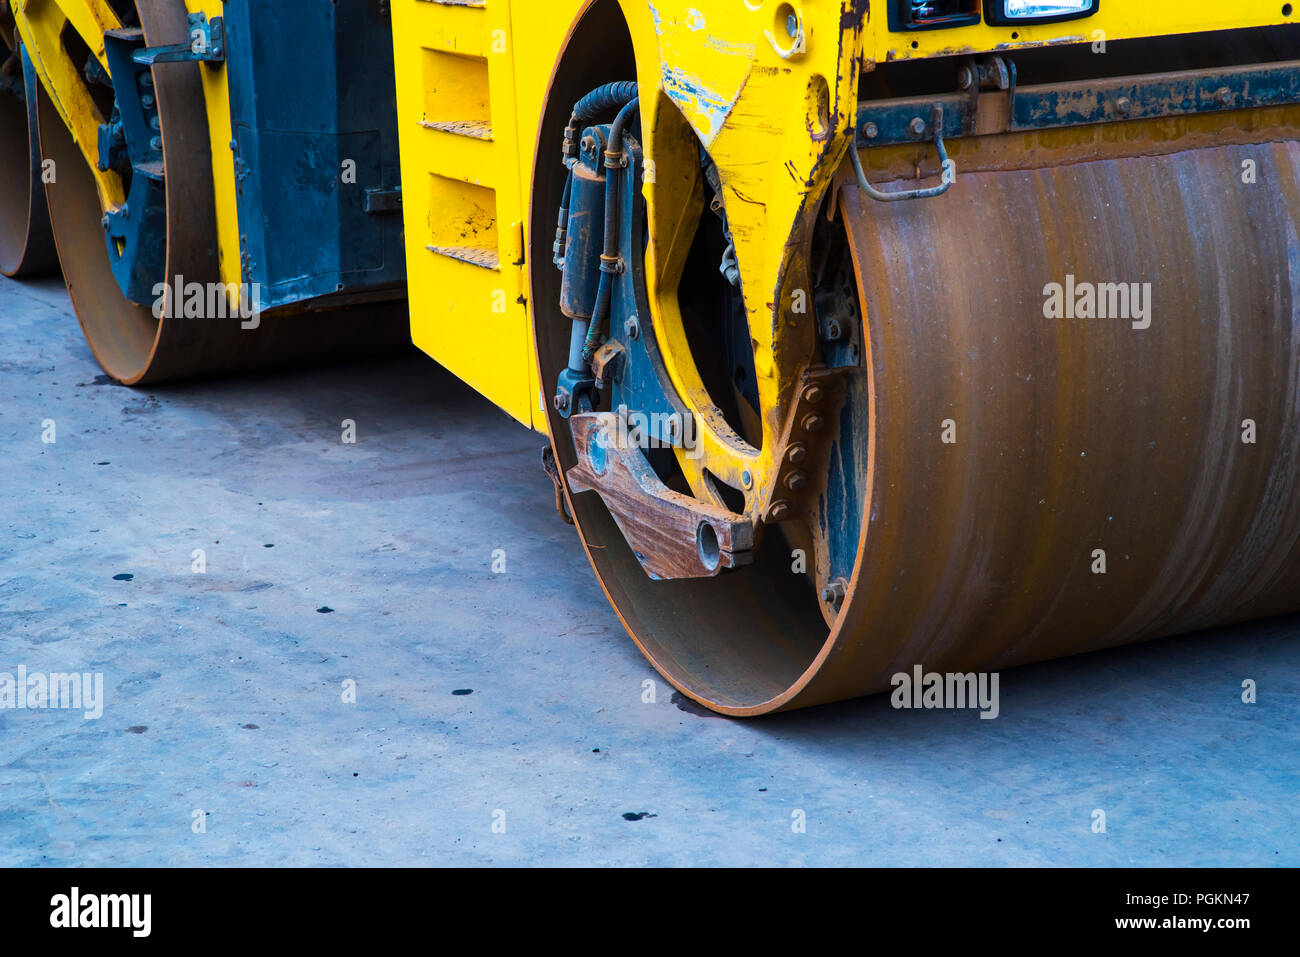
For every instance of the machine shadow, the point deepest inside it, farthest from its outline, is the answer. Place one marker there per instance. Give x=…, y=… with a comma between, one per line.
x=1134, y=688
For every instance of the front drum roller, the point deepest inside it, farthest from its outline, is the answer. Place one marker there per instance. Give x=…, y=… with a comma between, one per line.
x=26, y=244
x=128, y=341
x=1023, y=485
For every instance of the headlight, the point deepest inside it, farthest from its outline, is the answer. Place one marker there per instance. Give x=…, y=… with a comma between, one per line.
x=1010, y=13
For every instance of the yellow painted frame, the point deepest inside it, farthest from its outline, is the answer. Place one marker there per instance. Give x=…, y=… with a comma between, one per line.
x=41, y=24
x=1115, y=20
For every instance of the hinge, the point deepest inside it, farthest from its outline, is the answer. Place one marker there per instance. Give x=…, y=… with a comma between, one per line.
x=207, y=44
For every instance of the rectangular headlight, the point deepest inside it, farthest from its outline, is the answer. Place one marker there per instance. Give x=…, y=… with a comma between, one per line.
x=1010, y=13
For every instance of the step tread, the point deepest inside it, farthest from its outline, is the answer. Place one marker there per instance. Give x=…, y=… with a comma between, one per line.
x=474, y=255
x=471, y=128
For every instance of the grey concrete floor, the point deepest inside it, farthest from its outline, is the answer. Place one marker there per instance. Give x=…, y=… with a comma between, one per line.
x=224, y=690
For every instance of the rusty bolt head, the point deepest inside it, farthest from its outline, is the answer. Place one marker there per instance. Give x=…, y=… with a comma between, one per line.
x=1123, y=106
x=966, y=78
x=796, y=481
x=813, y=422
x=796, y=454
x=870, y=131
x=835, y=592
x=632, y=327
x=561, y=401
x=917, y=126
x=1225, y=96
x=813, y=394
x=779, y=511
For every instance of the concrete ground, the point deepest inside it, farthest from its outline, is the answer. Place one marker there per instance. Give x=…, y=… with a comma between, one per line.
x=511, y=698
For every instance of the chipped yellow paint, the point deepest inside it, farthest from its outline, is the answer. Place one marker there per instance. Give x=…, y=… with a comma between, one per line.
x=774, y=111
x=41, y=24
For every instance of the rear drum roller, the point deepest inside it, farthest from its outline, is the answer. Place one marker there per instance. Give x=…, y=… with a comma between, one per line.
x=130, y=343
x=1003, y=484
x=26, y=244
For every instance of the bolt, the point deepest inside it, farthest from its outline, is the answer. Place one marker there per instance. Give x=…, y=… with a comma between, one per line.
x=155, y=144
x=966, y=78
x=835, y=592
x=813, y=394
x=146, y=100
x=796, y=481
x=746, y=480
x=146, y=79
x=1225, y=96
x=813, y=422
x=1123, y=106
x=632, y=327
x=796, y=454
x=792, y=26
x=561, y=402
x=917, y=126
x=870, y=131
x=779, y=511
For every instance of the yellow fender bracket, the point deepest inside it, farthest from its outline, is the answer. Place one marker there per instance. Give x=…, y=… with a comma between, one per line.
x=770, y=90
x=41, y=24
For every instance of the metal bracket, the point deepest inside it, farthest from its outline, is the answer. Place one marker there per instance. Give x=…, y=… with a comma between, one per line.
x=672, y=535
x=973, y=111
x=949, y=178
x=552, y=469
x=207, y=44
x=804, y=448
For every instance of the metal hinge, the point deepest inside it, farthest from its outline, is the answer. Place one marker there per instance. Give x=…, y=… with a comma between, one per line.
x=207, y=44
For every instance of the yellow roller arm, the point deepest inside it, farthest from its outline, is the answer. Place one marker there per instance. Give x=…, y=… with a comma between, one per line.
x=41, y=24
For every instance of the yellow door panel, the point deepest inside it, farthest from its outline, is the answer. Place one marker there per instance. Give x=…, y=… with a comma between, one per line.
x=463, y=205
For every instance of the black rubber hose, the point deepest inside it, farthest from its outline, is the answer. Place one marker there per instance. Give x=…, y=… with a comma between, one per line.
x=604, y=98
x=614, y=164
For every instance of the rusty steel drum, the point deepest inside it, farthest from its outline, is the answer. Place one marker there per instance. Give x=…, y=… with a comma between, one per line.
x=1027, y=485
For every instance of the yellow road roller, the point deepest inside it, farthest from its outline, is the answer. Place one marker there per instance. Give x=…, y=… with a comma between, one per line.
x=953, y=334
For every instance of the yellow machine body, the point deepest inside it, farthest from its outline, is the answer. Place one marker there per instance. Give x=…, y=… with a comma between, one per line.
x=471, y=85
x=819, y=536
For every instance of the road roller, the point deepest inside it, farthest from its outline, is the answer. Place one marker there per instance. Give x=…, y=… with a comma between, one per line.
x=221, y=179
x=867, y=337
